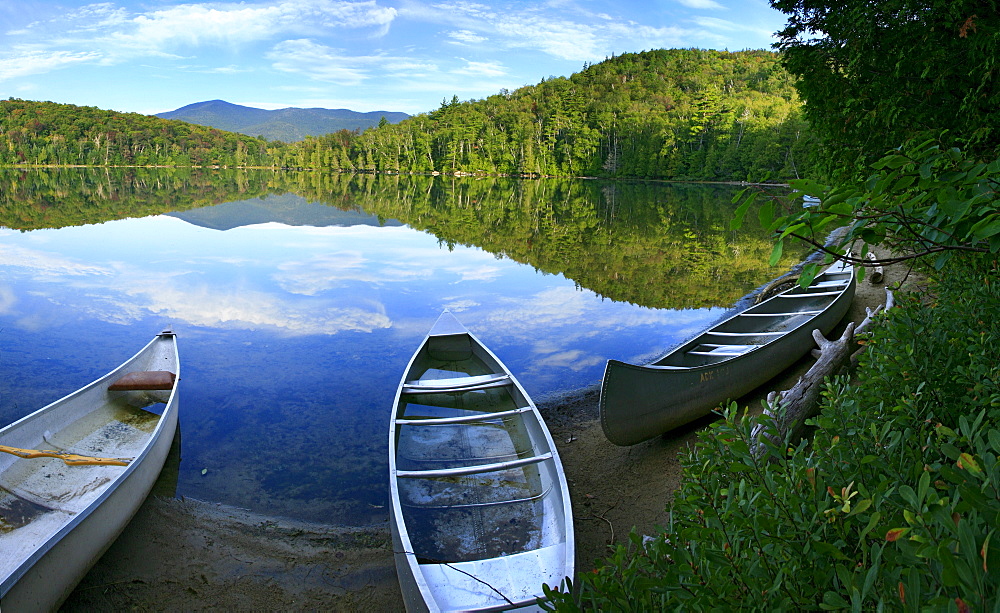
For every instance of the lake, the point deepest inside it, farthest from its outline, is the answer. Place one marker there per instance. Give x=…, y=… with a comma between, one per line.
x=298, y=299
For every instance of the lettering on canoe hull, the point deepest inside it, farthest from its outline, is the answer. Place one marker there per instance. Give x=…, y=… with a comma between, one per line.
x=715, y=373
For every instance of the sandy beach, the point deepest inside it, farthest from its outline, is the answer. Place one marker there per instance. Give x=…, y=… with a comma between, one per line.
x=183, y=554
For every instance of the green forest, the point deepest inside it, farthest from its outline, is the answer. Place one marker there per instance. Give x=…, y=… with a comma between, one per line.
x=50, y=134
x=683, y=114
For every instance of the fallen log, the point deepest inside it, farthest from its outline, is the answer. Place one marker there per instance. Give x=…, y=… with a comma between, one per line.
x=791, y=408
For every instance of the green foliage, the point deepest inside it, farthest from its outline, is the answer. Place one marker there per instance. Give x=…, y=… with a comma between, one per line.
x=876, y=73
x=894, y=505
x=680, y=114
x=50, y=134
x=922, y=200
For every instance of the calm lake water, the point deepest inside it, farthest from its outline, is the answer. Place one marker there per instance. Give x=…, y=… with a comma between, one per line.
x=298, y=300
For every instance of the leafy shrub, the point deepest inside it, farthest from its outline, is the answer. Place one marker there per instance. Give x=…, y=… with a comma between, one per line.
x=894, y=504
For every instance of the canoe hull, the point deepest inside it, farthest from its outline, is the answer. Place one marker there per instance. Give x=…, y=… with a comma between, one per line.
x=47, y=577
x=481, y=514
x=640, y=402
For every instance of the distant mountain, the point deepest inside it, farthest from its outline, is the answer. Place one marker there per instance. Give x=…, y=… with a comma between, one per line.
x=289, y=125
x=288, y=209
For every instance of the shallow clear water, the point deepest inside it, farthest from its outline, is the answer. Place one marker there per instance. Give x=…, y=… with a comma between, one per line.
x=292, y=338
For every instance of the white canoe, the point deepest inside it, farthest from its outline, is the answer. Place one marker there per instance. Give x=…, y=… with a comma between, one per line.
x=61, y=511
x=481, y=514
x=728, y=360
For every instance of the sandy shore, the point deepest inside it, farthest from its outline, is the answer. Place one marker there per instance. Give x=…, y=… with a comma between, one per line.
x=191, y=555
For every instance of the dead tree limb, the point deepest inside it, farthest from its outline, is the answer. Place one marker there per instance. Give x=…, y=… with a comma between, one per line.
x=790, y=409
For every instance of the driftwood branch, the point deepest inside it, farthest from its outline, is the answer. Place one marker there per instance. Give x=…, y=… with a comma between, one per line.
x=790, y=409
x=877, y=274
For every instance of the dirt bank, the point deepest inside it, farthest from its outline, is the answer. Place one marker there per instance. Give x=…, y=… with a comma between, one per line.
x=190, y=555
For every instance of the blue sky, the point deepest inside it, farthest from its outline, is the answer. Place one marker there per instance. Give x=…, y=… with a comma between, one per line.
x=391, y=55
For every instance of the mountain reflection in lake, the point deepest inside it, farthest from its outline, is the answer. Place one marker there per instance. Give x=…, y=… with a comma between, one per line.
x=296, y=319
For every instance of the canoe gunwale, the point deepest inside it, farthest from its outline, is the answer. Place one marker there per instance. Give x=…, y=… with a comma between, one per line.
x=166, y=420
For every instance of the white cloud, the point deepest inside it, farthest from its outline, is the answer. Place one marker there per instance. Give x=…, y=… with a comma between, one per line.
x=24, y=63
x=197, y=24
x=562, y=39
x=322, y=272
x=466, y=37
x=483, y=69
x=318, y=62
x=702, y=4
x=41, y=264
x=115, y=35
x=7, y=299
x=241, y=309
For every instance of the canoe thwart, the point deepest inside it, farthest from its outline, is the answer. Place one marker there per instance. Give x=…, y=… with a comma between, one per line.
x=457, y=384
x=71, y=459
x=434, y=421
x=145, y=380
x=472, y=470
x=808, y=295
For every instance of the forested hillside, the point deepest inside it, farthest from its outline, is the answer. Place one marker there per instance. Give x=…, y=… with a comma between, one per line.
x=683, y=114
x=678, y=114
x=46, y=133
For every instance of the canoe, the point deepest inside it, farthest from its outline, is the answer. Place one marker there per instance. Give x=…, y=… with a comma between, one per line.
x=481, y=513
x=73, y=473
x=726, y=361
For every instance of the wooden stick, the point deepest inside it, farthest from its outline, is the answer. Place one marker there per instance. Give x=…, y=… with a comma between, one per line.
x=71, y=459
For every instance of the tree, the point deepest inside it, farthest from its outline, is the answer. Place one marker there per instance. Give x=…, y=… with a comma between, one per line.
x=902, y=93
x=875, y=73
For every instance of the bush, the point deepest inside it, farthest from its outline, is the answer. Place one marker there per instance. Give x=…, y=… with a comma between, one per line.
x=894, y=504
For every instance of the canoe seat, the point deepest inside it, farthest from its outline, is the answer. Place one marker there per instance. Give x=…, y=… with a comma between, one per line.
x=472, y=470
x=808, y=295
x=724, y=350
x=456, y=384
x=737, y=334
x=435, y=421
x=832, y=283
x=144, y=380
x=789, y=314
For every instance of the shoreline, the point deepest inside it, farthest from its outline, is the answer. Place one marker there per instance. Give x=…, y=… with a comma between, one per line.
x=192, y=555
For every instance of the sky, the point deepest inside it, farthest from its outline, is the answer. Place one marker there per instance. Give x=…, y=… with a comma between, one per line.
x=376, y=55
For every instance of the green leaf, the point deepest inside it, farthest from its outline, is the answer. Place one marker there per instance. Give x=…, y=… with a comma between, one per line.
x=987, y=227
x=861, y=507
x=809, y=272
x=741, y=212
x=834, y=601
x=967, y=462
x=776, y=253
x=766, y=214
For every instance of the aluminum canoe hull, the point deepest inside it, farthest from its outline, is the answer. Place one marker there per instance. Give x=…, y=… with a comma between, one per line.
x=640, y=402
x=61, y=544
x=481, y=513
